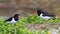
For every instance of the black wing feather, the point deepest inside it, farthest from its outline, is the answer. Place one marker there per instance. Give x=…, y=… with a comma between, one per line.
x=8, y=19
x=49, y=15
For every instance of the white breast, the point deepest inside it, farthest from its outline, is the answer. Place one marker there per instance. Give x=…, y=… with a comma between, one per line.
x=12, y=21
x=44, y=17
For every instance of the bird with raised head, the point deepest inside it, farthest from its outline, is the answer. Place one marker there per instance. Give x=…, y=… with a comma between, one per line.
x=13, y=19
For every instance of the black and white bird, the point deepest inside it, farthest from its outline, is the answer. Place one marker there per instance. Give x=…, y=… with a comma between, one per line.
x=44, y=15
x=13, y=19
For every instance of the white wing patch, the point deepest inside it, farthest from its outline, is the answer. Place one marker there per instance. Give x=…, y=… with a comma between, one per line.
x=44, y=17
x=12, y=21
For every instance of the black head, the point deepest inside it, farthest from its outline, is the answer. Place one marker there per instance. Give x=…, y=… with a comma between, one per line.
x=39, y=12
x=16, y=17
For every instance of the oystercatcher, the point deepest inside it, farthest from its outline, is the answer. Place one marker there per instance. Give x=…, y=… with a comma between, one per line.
x=44, y=15
x=12, y=19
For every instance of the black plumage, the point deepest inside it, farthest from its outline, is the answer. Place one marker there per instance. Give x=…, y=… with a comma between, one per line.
x=44, y=15
x=13, y=18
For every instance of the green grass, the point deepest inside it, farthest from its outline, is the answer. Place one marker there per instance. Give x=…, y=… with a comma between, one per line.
x=19, y=27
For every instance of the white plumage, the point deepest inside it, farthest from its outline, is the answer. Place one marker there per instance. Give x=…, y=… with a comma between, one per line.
x=44, y=17
x=12, y=21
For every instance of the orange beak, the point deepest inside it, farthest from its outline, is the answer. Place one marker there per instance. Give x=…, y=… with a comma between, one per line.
x=19, y=16
x=35, y=12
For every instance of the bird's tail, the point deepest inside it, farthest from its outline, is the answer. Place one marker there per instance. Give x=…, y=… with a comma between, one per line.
x=54, y=18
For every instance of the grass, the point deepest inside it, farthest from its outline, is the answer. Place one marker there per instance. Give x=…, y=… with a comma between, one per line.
x=19, y=27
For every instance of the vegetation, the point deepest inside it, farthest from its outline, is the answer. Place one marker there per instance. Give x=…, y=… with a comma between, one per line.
x=19, y=27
